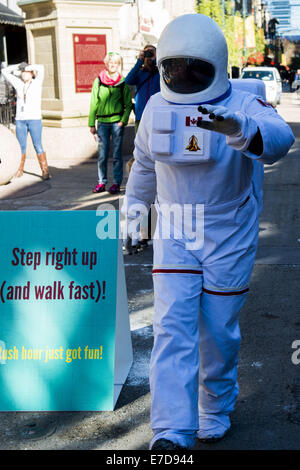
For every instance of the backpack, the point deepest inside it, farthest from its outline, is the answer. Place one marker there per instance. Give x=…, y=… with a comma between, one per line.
x=140, y=86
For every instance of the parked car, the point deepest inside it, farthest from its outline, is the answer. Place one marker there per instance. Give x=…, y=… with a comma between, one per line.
x=271, y=78
x=296, y=82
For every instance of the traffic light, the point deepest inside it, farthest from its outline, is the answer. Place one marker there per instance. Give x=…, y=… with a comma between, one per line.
x=272, y=27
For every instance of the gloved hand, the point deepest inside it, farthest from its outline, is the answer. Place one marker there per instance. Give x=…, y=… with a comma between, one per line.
x=222, y=120
x=238, y=127
x=132, y=246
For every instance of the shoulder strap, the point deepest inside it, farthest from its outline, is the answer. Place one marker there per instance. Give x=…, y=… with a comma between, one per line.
x=141, y=84
x=99, y=85
x=122, y=86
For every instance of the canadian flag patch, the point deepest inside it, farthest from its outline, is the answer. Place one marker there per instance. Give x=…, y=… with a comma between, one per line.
x=191, y=121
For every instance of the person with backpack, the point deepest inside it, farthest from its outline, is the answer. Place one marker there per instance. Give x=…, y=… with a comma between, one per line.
x=110, y=106
x=146, y=78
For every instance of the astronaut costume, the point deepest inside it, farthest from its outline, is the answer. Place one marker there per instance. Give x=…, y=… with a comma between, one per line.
x=200, y=158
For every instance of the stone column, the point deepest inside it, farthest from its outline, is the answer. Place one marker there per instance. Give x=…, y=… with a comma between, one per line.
x=60, y=33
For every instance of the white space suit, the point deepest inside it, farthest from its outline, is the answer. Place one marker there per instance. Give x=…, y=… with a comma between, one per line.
x=183, y=157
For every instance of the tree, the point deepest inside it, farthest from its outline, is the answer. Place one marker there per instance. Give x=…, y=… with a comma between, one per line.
x=226, y=20
x=211, y=8
x=234, y=52
x=260, y=40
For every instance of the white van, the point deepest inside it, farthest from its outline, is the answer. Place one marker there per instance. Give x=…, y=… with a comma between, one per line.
x=271, y=78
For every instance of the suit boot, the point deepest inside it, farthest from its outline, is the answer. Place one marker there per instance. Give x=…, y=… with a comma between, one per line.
x=21, y=167
x=44, y=165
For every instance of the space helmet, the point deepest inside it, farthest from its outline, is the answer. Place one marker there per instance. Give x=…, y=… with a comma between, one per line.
x=192, y=58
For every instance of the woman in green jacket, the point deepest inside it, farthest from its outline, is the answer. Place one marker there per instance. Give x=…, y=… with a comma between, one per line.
x=111, y=105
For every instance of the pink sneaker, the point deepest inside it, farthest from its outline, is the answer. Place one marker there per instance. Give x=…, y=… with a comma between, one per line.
x=114, y=189
x=99, y=188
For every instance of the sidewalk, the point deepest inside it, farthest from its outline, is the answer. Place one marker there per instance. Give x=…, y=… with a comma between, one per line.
x=267, y=411
x=70, y=187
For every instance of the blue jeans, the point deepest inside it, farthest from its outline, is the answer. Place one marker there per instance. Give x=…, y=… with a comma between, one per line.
x=105, y=130
x=34, y=127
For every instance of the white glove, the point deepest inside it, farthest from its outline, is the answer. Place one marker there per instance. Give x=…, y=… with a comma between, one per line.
x=222, y=120
x=238, y=128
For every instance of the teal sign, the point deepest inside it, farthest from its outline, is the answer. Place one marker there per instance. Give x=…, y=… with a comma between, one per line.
x=58, y=297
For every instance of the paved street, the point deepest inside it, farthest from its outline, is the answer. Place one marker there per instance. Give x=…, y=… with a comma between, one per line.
x=267, y=414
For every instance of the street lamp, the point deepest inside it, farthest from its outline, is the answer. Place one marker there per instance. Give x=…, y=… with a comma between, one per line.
x=272, y=27
x=273, y=36
x=244, y=14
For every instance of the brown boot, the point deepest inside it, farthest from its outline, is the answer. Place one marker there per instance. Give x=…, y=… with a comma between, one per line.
x=21, y=167
x=44, y=165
